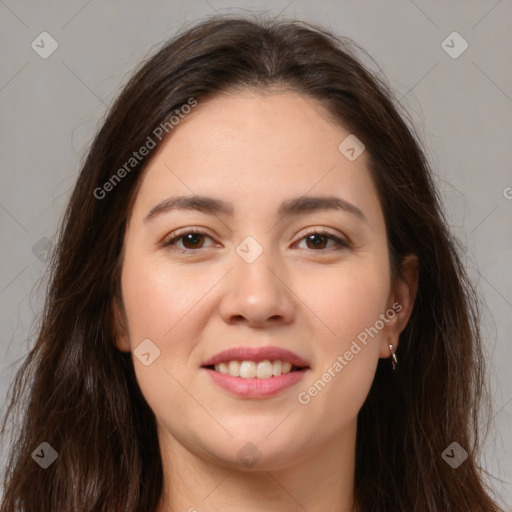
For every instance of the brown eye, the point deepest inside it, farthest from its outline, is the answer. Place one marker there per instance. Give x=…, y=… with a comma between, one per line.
x=190, y=241
x=318, y=240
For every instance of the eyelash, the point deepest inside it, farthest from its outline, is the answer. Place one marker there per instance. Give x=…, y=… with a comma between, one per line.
x=176, y=235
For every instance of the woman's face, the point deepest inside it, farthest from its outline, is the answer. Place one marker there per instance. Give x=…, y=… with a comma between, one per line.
x=272, y=273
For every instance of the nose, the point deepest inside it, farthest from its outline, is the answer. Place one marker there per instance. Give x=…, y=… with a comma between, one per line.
x=259, y=293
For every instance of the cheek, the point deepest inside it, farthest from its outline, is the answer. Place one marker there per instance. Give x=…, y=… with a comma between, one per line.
x=159, y=306
x=157, y=299
x=349, y=304
x=346, y=300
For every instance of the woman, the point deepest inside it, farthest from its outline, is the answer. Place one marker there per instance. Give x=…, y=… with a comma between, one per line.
x=255, y=303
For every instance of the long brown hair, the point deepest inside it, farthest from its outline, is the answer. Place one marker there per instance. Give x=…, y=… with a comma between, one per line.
x=80, y=394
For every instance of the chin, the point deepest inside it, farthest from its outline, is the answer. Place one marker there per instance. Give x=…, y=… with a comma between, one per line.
x=252, y=451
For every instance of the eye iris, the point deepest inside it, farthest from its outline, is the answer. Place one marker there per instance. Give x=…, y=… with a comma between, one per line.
x=317, y=236
x=191, y=237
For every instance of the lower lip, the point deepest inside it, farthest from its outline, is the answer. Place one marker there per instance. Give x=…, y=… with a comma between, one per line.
x=255, y=388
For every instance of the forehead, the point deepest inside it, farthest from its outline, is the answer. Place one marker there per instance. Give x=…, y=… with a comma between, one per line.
x=256, y=149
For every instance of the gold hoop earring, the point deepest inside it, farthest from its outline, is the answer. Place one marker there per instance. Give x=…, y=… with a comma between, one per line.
x=394, y=360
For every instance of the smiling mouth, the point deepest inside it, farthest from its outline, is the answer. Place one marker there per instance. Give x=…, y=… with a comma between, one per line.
x=255, y=370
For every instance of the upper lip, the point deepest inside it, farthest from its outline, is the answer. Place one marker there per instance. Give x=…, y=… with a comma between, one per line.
x=256, y=354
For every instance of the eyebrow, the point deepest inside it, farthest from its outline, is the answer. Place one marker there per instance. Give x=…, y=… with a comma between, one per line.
x=296, y=206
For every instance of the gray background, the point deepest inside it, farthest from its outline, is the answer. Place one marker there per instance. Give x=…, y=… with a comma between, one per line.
x=461, y=107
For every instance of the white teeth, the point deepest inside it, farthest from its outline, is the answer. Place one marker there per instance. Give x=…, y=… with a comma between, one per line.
x=250, y=369
x=264, y=370
x=234, y=368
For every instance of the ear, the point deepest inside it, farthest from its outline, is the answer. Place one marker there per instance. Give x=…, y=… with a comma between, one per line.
x=121, y=338
x=401, y=302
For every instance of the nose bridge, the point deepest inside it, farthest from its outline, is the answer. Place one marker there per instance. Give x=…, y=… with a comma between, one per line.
x=258, y=292
x=255, y=266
